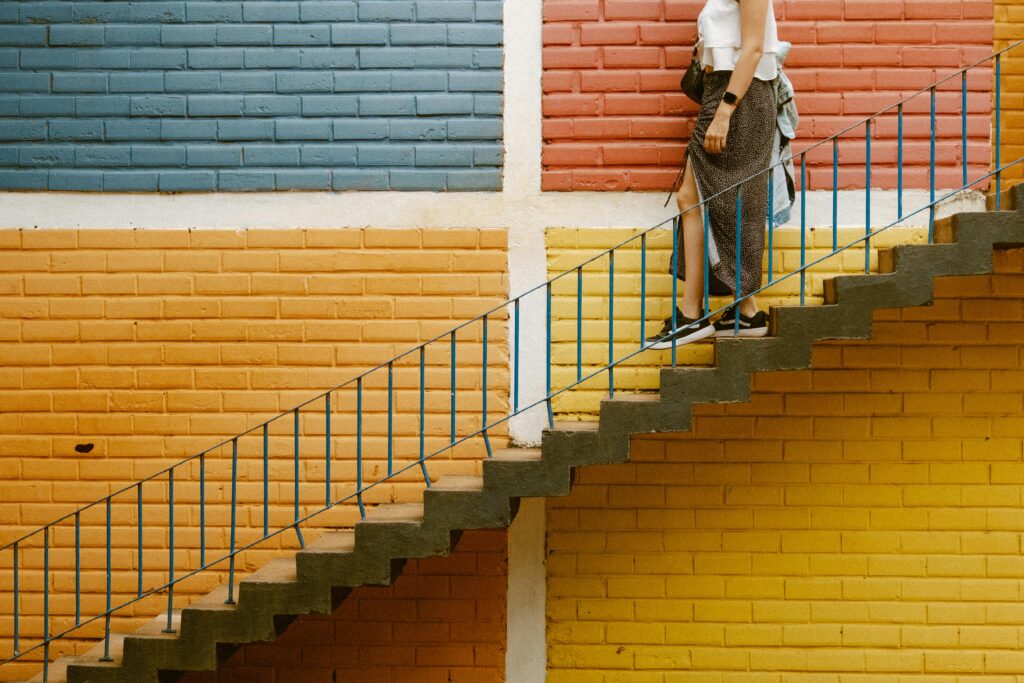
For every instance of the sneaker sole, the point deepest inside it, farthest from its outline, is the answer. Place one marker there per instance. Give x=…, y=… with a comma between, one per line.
x=703, y=333
x=756, y=332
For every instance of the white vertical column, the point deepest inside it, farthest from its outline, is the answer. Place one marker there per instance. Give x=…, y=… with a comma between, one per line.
x=526, y=655
x=527, y=262
x=526, y=659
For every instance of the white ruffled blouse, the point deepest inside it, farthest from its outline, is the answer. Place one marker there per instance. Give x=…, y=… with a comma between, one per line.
x=719, y=38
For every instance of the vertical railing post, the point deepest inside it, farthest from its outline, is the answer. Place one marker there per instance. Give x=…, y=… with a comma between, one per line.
x=46, y=593
x=963, y=121
x=266, y=479
x=17, y=601
x=643, y=286
x=78, y=569
x=706, y=263
x=106, y=614
x=867, y=196
x=675, y=279
x=931, y=171
x=297, y=477
x=359, y=447
x=169, y=626
x=899, y=161
x=738, y=292
x=202, y=510
x=999, y=129
x=835, y=194
x=423, y=412
x=234, y=511
x=391, y=418
x=611, y=324
x=515, y=357
x=803, y=227
x=138, y=513
x=484, y=389
x=547, y=357
x=327, y=449
x=579, y=323
x=452, y=386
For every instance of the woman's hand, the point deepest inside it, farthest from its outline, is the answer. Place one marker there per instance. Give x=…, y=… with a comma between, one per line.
x=718, y=131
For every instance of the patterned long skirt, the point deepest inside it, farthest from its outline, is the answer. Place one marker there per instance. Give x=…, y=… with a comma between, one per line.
x=748, y=151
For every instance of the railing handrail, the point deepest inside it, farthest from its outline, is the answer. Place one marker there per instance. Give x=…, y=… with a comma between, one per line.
x=264, y=425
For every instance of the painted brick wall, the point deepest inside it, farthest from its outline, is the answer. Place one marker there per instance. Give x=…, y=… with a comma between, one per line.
x=154, y=345
x=443, y=621
x=614, y=118
x=859, y=521
x=284, y=95
x=1009, y=18
x=568, y=247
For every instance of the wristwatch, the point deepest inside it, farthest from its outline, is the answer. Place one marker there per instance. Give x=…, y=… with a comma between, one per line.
x=729, y=98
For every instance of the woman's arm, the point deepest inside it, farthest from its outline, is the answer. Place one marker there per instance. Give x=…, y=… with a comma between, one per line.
x=753, y=17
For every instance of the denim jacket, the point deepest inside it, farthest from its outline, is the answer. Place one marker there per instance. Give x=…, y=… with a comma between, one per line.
x=787, y=121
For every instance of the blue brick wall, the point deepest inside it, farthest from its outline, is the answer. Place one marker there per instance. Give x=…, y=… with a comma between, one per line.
x=209, y=95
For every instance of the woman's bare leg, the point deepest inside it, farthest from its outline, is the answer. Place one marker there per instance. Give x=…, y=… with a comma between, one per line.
x=693, y=245
x=693, y=248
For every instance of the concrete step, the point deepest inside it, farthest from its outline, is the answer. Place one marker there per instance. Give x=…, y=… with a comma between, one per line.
x=394, y=513
x=516, y=454
x=332, y=542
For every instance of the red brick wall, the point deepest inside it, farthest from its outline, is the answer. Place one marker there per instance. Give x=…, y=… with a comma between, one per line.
x=443, y=621
x=614, y=118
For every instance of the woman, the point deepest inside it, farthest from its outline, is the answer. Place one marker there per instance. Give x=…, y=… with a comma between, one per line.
x=732, y=140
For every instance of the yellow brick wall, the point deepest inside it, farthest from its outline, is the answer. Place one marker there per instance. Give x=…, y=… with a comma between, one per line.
x=154, y=345
x=1009, y=28
x=568, y=247
x=861, y=521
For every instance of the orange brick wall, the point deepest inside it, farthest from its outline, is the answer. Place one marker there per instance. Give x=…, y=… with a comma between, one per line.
x=860, y=521
x=154, y=345
x=1009, y=16
x=615, y=119
x=443, y=621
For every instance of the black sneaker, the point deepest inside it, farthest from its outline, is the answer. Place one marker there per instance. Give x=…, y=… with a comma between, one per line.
x=752, y=326
x=687, y=330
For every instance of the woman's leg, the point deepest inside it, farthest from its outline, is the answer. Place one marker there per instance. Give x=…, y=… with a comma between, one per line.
x=693, y=251
x=693, y=246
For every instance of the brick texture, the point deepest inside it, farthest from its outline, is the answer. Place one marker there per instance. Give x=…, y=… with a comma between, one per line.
x=568, y=247
x=234, y=96
x=858, y=521
x=615, y=119
x=151, y=346
x=443, y=620
x=1009, y=19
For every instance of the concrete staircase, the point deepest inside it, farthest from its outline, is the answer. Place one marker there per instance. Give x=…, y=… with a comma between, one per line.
x=319, y=577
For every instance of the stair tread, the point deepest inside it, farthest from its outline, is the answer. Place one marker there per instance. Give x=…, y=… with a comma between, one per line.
x=649, y=397
x=517, y=454
x=459, y=482
x=340, y=541
x=215, y=599
x=156, y=626
x=281, y=570
x=576, y=426
x=395, y=512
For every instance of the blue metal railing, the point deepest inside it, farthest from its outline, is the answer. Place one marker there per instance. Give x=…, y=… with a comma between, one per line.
x=162, y=485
